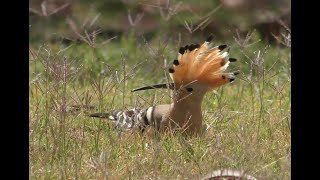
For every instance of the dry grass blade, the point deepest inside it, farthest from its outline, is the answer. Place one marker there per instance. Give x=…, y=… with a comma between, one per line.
x=74, y=28
x=188, y=27
x=244, y=42
x=94, y=20
x=59, y=9
x=204, y=21
x=171, y=10
x=89, y=38
x=44, y=11
x=136, y=20
x=44, y=8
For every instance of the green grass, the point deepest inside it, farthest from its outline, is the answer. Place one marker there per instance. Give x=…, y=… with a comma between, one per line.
x=250, y=120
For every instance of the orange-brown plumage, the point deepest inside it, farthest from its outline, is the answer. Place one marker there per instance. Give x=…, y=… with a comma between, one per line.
x=202, y=64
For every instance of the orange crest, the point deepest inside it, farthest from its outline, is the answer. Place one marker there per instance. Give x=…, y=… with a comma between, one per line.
x=202, y=64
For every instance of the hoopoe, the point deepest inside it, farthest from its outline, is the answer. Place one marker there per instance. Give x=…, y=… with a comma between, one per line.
x=197, y=70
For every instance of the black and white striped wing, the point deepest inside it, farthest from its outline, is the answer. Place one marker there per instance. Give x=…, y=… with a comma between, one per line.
x=127, y=119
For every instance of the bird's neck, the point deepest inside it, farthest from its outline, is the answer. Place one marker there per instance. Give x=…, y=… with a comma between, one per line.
x=187, y=114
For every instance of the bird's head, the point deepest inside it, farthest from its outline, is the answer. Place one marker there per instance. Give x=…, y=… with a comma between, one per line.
x=197, y=70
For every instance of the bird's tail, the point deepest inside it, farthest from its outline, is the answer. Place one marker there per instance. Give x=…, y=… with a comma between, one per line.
x=125, y=119
x=100, y=115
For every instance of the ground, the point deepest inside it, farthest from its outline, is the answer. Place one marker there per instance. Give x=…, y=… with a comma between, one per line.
x=249, y=120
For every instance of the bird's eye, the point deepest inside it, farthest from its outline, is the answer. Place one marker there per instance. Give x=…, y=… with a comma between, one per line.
x=189, y=89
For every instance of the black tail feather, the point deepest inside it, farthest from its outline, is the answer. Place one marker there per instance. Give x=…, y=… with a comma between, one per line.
x=100, y=115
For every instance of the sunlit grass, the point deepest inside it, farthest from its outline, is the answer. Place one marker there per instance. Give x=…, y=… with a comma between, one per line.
x=249, y=120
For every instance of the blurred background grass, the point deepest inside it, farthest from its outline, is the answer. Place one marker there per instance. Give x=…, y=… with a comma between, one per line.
x=150, y=18
x=153, y=28
x=92, y=53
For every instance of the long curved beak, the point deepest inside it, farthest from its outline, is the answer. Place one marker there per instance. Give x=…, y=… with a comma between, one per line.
x=156, y=86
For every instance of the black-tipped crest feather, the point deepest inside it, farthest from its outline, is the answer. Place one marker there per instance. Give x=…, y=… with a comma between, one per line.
x=181, y=50
x=171, y=70
x=222, y=47
x=176, y=62
x=232, y=59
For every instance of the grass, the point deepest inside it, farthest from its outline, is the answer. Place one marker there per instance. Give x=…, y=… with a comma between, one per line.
x=249, y=120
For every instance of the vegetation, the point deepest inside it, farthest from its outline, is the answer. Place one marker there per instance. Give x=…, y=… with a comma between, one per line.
x=249, y=120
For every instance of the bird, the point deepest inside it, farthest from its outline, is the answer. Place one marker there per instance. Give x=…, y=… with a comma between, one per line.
x=198, y=69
